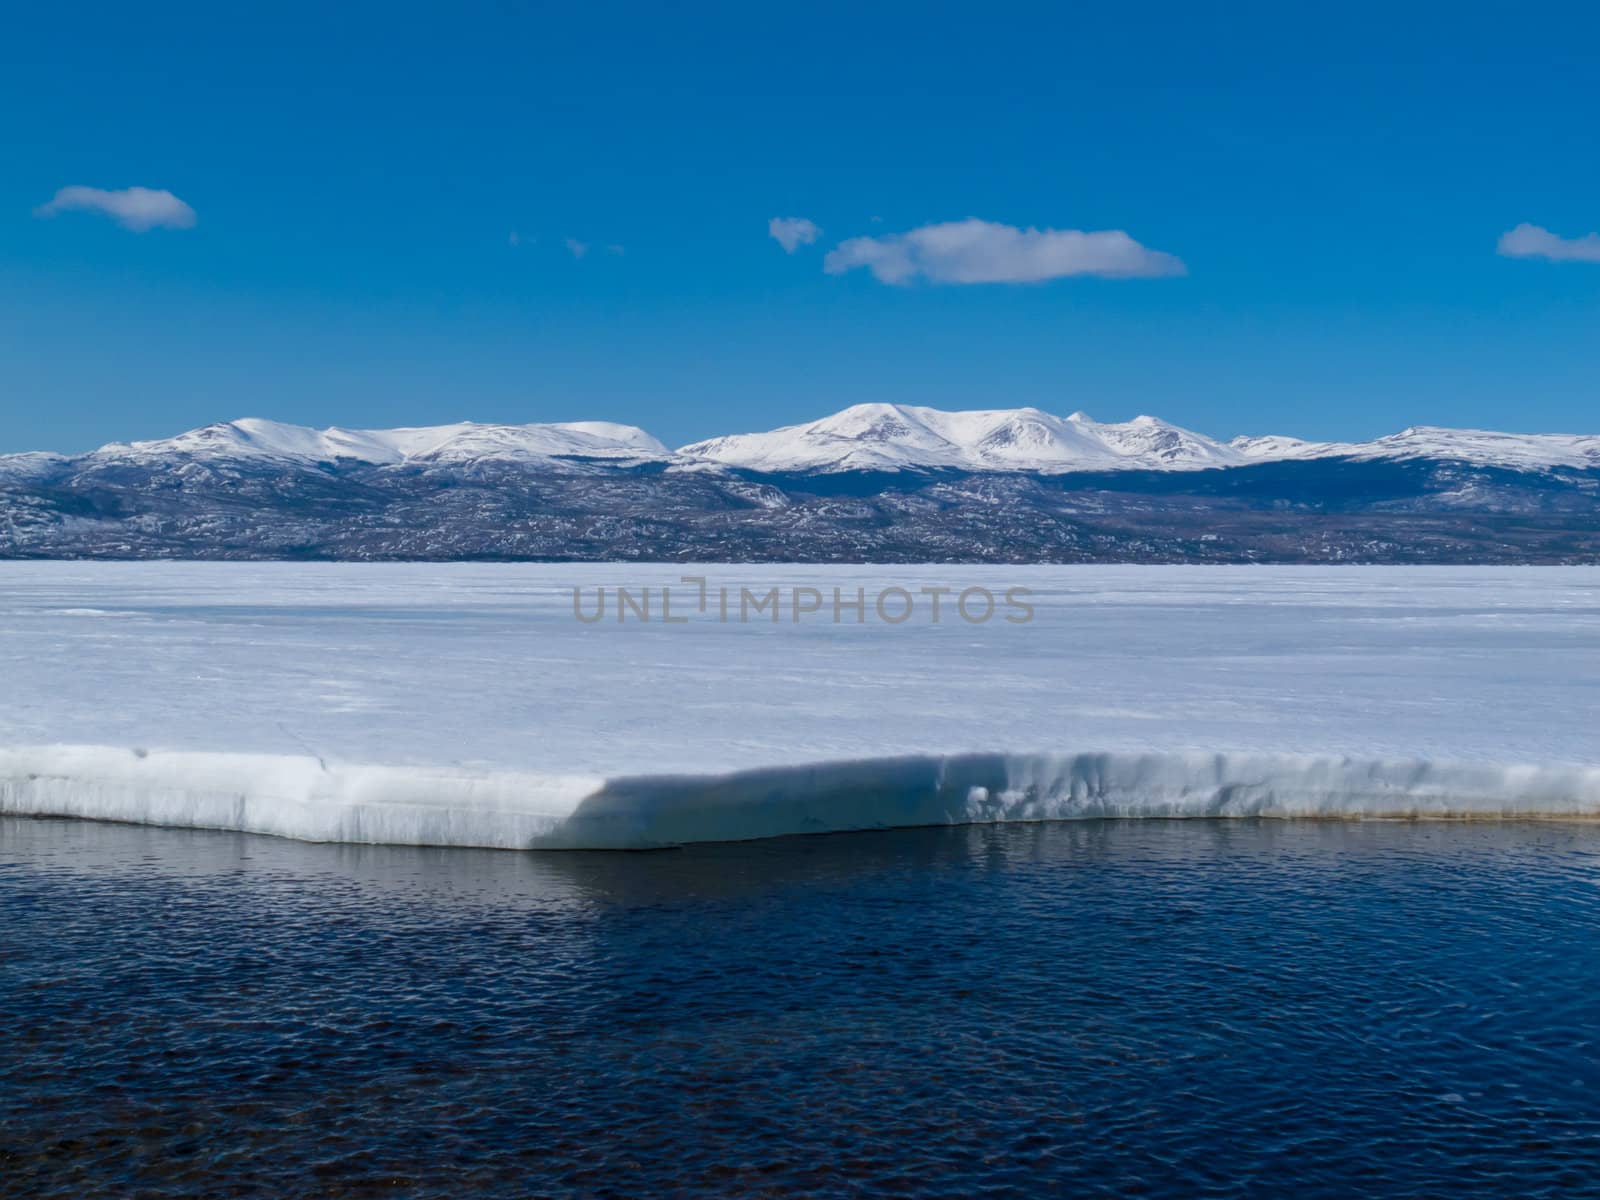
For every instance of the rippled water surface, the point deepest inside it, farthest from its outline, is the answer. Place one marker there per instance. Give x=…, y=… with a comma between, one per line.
x=1130, y=1008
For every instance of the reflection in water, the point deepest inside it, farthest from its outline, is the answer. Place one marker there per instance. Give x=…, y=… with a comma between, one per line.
x=1175, y=1008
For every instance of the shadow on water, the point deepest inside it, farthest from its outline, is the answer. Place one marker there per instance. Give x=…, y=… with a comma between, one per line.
x=723, y=871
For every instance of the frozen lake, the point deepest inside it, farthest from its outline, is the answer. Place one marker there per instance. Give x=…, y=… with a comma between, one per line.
x=471, y=704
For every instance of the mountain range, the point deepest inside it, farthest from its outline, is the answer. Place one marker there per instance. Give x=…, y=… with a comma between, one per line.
x=872, y=482
x=864, y=437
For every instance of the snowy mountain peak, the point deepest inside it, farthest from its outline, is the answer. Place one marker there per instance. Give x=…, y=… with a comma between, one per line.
x=30, y=465
x=1481, y=447
x=254, y=438
x=895, y=437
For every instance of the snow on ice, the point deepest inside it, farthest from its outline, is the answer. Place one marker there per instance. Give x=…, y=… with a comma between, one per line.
x=466, y=705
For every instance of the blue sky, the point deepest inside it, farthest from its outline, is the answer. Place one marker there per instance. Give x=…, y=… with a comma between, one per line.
x=1333, y=183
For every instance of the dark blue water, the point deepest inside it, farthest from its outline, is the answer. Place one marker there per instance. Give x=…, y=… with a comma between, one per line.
x=1118, y=1008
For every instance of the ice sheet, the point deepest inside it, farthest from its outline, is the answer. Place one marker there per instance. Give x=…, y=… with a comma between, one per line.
x=464, y=704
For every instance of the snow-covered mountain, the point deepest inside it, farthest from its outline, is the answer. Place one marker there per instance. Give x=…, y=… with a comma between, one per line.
x=874, y=483
x=254, y=439
x=864, y=437
x=897, y=437
x=1481, y=447
x=22, y=468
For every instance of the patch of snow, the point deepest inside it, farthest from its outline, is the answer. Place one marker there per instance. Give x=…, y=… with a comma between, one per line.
x=1274, y=447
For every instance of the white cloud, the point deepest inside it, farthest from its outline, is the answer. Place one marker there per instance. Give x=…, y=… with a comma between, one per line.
x=974, y=251
x=136, y=208
x=578, y=249
x=792, y=232
x=1531, y=241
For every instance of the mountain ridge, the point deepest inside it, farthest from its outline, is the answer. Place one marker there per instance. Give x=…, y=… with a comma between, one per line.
x=871, y=484
x=863, y=437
